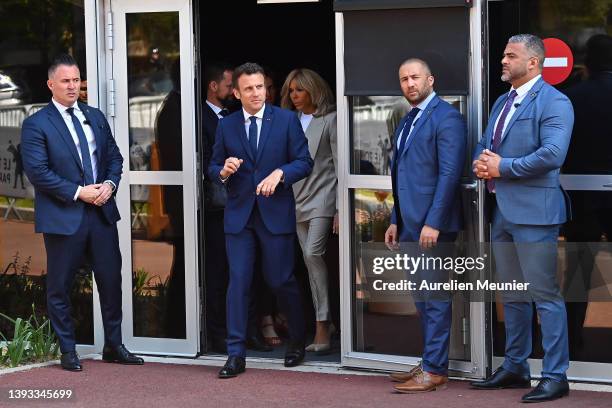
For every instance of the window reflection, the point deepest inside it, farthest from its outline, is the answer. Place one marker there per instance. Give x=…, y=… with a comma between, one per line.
x=374, y=121
x=158, y=262
x=154, y=91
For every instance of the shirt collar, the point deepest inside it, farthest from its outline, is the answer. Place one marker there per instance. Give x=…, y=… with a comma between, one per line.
x=523, y=89
x=214, y=107
x=425, y=102
x=61, y=108
x=258, y=115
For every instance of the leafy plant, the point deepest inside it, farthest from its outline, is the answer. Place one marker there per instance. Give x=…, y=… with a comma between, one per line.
x=140, y=279
x=32, y=340
x=43, y=342
x=16, y=348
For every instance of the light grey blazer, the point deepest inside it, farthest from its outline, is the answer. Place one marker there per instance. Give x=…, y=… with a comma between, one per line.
x=315, y=196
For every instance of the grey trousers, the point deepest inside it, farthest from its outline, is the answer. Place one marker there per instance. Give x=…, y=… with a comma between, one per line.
x=313, y=235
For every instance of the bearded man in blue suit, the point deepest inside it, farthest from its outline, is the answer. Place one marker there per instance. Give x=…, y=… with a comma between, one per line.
x=259, y=152
x=520, y=156
x=428, y=159
x=71, y=158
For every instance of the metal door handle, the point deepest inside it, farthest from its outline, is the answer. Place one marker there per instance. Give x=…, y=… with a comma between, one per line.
x=470, y=186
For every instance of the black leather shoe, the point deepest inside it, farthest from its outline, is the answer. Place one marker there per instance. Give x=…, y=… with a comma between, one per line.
x=119, y=354
x=233, y=366
x=294, y=354
x=256, y=343
x=503, y=379
x=70, y=361
x=547, y=390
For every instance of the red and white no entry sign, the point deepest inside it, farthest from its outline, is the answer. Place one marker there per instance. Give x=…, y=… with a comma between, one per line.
x=559, y=61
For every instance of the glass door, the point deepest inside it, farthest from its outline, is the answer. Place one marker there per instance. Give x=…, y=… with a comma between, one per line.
x=152, y=80
x=381, y=328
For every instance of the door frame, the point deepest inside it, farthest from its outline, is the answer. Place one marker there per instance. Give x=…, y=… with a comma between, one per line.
x=116, y=91
x=478, y=364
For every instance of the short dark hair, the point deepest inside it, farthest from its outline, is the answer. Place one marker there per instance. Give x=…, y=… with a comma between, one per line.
x=248, y=68
x=61, y=59
x=214, y=72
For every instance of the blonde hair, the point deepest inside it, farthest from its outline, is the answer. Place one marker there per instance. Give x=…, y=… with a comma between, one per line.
x=308, y=80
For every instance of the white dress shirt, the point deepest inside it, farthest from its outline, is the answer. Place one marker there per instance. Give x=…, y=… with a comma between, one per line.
x=521, y=93
x=421, y=107
x=215, y=109
x=305, y=120
x=247, y=121
x=89, y=135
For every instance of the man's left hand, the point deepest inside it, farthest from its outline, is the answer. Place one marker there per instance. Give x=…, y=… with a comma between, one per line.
x=268, y=185
x=489, y=164
x=106, y=191
x=429, y=237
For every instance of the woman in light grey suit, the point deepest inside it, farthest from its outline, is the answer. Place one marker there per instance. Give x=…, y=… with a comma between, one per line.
x=307, y=93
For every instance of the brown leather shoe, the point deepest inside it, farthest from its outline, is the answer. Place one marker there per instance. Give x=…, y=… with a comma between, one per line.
x=423, y=382
x=403, y=377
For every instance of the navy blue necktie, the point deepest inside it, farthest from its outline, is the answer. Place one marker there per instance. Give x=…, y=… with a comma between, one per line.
x=84, y=145
x=253, y=136
x=406, y=130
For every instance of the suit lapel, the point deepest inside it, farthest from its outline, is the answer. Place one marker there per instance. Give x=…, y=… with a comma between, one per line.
x=530, y=97
x=241, y=132
x=495, y=111
x=58, y=122
x=398, y=133
x=421, y=120
x=313, y=134
x=266, y=125
x=94, y=128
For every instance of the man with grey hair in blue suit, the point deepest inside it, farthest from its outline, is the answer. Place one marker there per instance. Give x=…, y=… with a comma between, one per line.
x=519, y=156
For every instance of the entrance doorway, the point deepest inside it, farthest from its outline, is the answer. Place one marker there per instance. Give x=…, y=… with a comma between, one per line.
x=280, y=37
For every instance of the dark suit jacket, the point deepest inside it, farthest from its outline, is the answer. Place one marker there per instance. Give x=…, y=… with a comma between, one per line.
x=53, y=165
x=429, y=170
x=209, y=125
x=282, y=145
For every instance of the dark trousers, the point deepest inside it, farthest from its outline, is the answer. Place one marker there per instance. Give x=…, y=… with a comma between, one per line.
x=277, y=261
x=99, y=242
x=435, y=310
x=216, y=272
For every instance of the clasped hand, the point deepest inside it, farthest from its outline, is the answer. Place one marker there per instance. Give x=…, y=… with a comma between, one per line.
x=96, y=194
x=487, y=165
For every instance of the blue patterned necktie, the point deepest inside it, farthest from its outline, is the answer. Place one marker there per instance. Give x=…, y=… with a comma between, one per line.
x=497, y=135
x=84, y=146
x=253, y=136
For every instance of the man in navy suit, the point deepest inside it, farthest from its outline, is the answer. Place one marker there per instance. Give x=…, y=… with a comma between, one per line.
x=428, y=159
x=71, y=159
x=259, y=152
x=519, y=156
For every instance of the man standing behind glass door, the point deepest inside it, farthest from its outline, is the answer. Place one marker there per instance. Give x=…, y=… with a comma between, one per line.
x=429, y=153
x=218, y=82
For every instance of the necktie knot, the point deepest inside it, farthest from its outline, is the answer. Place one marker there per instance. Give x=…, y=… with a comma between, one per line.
x=253, y=119
x=512, y=95
x=224, y=112
x=70, y=111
